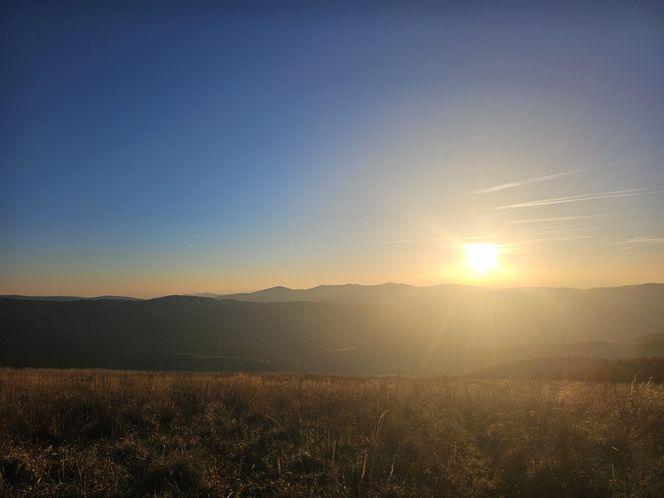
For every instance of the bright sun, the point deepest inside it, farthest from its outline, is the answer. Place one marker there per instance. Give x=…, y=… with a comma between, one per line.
x=482, y=258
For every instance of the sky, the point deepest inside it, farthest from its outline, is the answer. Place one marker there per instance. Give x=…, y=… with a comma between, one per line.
x=151, y=148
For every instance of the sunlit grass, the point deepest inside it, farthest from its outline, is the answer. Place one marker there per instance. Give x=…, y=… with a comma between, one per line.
x=99, y=433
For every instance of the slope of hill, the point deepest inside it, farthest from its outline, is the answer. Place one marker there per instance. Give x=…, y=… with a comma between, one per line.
x=394, y=293
x=68, y=298
x=384, y=294
x=468, y=329
x=560, y=313
x=99, y=433
x=181, y=332
x=578, y=368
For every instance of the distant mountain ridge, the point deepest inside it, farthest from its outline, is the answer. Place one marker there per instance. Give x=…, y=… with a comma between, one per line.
x=588, y=314
x=68, y=298
x=353, y=329
x=358, y=293
x=387, y=293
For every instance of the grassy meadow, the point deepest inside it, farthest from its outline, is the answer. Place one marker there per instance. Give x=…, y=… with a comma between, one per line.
x=116, y=433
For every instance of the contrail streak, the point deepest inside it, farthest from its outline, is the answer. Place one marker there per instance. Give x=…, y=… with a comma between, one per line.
x=578, y=198
x=553, y=176
x=646, y=239
x=557, y=230
x=536, y=179
x=566, y=218
x=376, y=243
x=553, y=239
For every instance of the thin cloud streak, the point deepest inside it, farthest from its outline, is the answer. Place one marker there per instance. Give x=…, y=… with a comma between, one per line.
x=361, y=244
x=579, y=198
x=557, y=230
x=647, y=240
x=552, y=239
x=527, y=246
x=567, y=218
x=553, y=176
x=537, y=179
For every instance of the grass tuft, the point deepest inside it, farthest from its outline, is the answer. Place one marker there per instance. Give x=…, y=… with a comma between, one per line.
x=114, y=433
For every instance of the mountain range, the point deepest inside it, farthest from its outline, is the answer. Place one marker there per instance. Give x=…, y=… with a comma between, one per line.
x=344, y=329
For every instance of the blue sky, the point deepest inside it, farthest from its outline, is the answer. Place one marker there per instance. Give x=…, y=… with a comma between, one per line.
x=164, y=147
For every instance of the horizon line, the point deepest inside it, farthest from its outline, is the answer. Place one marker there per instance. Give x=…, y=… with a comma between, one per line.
x=304, y=289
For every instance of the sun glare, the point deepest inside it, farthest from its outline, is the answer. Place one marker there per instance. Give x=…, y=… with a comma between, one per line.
x=482, y=258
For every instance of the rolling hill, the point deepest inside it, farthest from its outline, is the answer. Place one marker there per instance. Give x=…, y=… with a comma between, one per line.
x=349, y=329
x=578, y=368
x=556, y=314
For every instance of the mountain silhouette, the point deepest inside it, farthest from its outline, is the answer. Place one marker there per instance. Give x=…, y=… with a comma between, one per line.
x=347, y=329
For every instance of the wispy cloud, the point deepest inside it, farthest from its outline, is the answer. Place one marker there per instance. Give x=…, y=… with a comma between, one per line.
x=579, y=198
x=553, y=176
x=645, y=240
x=558, y=230
x=370, y=243
x=525, y=244
x=566, y=218
x=536, y=179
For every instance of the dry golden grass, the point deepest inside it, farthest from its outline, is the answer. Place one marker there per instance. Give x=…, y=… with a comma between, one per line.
x=102, y=433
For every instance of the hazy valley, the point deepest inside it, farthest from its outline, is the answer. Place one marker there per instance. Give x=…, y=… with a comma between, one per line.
x=351, y=329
